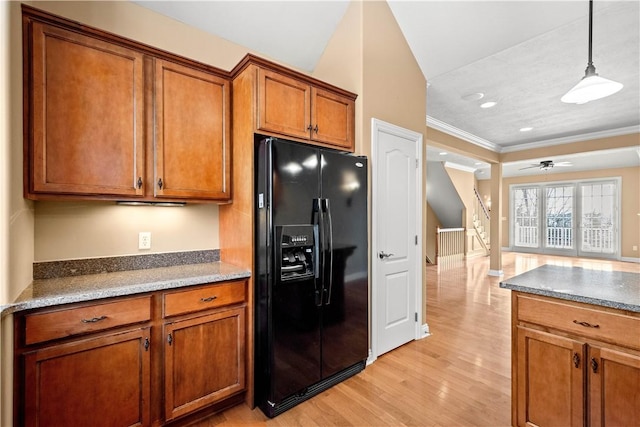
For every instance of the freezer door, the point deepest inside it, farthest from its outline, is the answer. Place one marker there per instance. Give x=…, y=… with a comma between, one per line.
x=295, y=316
x=345, y=325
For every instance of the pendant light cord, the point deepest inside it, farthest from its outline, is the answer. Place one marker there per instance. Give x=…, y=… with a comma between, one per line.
x=591, y=70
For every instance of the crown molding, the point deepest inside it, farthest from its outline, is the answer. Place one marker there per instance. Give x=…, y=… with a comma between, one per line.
x=459, y=167
x=473, y=139
x=573, y=138
x=459, y=133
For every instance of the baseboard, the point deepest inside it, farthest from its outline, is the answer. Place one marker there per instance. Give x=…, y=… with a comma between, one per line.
x=371, y=358
x=424, y=331
x=496, y=273
x=629, y=259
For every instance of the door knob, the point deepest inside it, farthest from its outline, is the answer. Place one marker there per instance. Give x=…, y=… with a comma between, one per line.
x=382, y=255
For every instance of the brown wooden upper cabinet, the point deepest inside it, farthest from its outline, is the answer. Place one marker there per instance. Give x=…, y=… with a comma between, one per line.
x=107, y=118
x=296, y=108
x=191, y=133
x=87, y=127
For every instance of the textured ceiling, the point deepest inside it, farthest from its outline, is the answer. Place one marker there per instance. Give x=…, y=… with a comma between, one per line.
x=528, y=79
x=523, y=54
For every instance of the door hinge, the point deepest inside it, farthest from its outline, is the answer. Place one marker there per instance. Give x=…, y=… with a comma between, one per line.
x=416, y=239
x=416, y=316
x=417, y=163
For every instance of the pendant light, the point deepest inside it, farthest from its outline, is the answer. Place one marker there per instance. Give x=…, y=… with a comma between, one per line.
x=592, y=86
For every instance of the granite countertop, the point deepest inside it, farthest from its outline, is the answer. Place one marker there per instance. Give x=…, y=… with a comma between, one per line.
x=616, y=289
x=64, y=290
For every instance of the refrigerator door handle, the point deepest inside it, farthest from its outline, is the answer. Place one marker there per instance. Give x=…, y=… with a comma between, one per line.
x=318, y=222
x=328, y=232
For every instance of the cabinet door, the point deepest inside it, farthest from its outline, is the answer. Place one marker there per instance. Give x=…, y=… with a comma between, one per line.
x=204, y=360
x=86, y=115
x=332, y=119
x=192, y=138
x=283, y=104
x=614, y=388
x=550, y=378
x=102, y=381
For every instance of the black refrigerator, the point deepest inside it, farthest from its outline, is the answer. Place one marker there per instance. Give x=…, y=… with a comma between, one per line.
x=311, y=279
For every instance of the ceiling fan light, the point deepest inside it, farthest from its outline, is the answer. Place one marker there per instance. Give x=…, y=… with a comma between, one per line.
x=590, y=88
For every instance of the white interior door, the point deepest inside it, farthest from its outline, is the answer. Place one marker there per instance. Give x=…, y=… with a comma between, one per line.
x=396, y=224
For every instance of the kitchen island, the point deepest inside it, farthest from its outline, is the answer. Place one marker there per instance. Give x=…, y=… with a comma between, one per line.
x=575, y=347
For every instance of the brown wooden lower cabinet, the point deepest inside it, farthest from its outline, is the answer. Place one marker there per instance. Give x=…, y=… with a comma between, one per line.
x=614, y=387
x=163, y=357
x=562, y=378
x=550, y=380
x=204, y=360
x=93, y=382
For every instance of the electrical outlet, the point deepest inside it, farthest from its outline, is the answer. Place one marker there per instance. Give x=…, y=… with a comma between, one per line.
x=144, y=240
x=635, y=248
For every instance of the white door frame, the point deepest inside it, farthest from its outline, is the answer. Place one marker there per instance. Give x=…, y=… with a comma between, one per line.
x=377, y=127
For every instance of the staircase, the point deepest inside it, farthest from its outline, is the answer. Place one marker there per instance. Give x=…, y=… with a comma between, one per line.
x=481, y=222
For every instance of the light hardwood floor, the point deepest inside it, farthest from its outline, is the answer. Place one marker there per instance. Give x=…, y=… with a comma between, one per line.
x=458, y=376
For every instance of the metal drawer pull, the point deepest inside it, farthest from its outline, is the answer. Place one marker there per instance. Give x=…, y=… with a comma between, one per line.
x=576, y=360
x=594, y=365
x=94, y=320
x=208, y=299
x=586, y=324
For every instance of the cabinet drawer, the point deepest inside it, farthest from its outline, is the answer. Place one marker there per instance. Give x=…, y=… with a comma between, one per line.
x=203, y=298
x=586, y=322
x=89, y=318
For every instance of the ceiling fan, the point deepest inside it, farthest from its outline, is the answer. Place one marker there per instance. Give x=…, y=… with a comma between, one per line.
x=547, y=164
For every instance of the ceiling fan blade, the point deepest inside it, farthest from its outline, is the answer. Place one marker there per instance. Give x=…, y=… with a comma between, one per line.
x=563, y=164
x=530, y=167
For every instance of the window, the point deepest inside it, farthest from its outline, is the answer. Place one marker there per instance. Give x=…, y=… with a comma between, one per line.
x=526, y=217
x=559, y=230
x=598, y=217
x=570, y=218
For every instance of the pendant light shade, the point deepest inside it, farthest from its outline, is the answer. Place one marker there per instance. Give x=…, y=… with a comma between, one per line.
x=592, y=86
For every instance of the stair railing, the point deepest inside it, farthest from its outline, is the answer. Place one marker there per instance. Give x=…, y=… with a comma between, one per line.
x=450, y=243
x=481, y=219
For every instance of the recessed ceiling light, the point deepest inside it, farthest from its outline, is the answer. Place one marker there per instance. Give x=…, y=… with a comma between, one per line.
x=488, y=104
x=473, y=96
x=478, y=163
x=444, y=153
x=527, y=129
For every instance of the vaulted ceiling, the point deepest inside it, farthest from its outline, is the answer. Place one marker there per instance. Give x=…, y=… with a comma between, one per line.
x=523, y=55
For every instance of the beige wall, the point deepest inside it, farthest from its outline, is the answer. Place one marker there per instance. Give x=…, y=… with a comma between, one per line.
x=69, y=230
x=341, y=64
x=484, y=189
x=19, y=239
x=394, y=89
x=369, y=56
x=630, y=196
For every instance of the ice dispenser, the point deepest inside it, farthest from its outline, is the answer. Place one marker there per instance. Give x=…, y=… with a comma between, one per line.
x=295, y=252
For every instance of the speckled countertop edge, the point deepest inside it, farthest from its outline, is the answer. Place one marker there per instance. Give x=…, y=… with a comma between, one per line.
x=65, y=290
x=615, y=289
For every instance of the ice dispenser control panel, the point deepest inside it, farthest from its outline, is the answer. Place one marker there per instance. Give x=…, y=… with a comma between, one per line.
x=295, y=252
